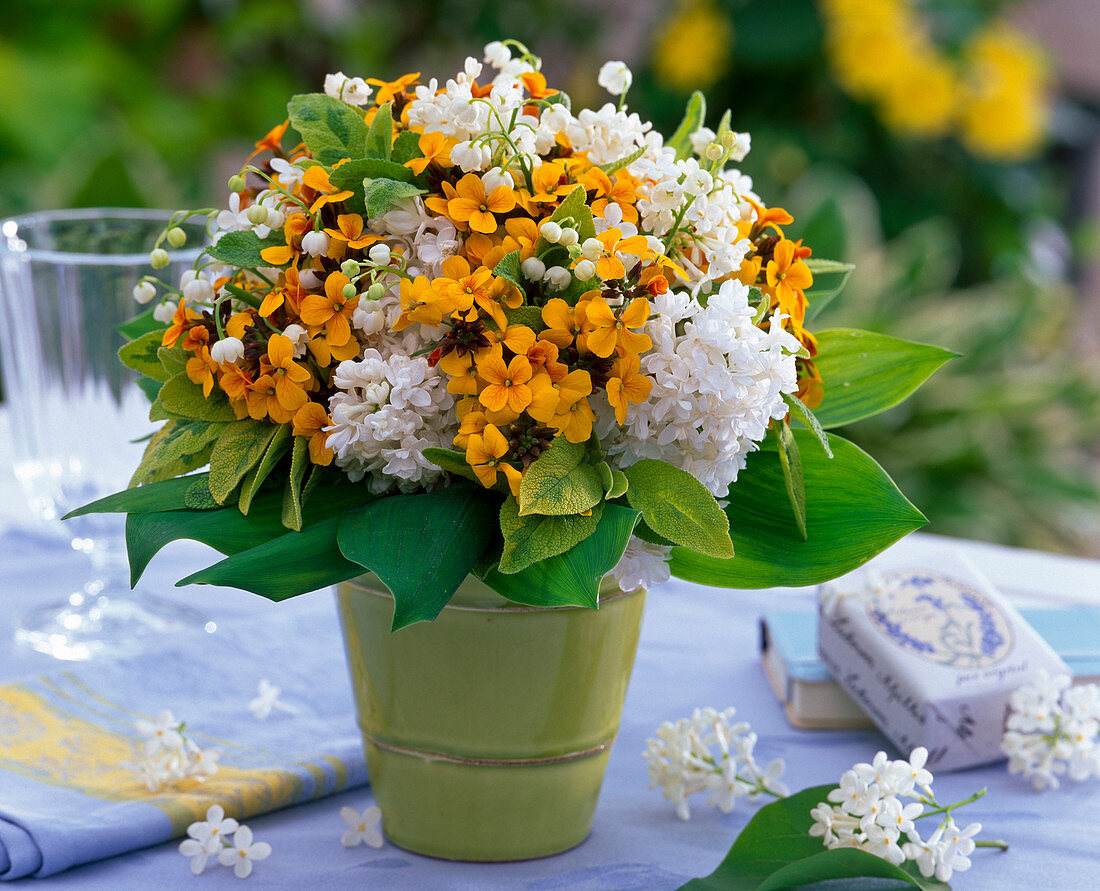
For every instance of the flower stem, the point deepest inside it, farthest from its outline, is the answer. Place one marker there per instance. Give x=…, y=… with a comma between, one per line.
x=991, y=843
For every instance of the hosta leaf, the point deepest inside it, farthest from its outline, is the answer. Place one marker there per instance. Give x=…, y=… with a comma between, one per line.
x=559, y=482
x=572, y=578
x=866, y=373
x=175, y=449
x=140, y=324
x=153, y=497
x=675, y=505
x=240, y=448
x=790, y=461
x=536, y=537
x=853, y=511
x=421, y=546
x=331, y=129
x=183, y=398
x=452, y=461
x=142, y=355
x=830, y=277
x=800, y=412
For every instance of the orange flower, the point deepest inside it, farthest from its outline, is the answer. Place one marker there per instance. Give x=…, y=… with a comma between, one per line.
x=317, y=179
x=388, y=90
x=609, y=267
x=768, y=218
x=436, y=149
x=460, y=369
x=611, y=330
x=564, y=323
x=201, y=370
x=272, y=141
x=180, y=320
x=196, y=338
x=263, y=402
x=473, y=422
x=331, y=310
x=420, y=302
x=235, y=382
x=543, y=356
x=296, y=225
x=472, y=206
x=310, y=420
x=290, y=377
x=350, y=231
x=485, y=454
x=535, y=81
x=627, y=385
x=569, y=390
x=574, y=420
x=507, y=384
x=789, y=277
x=460, y=287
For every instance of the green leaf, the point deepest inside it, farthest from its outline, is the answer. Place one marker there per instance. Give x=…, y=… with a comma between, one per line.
x=150, y=388
x=775, y=852
x=572, y=578
x=151, y=498
x=140, y=324
x=866, y=373
x=172, y=359
x=406, y=147
x=452, y=461
x=352, y=174
x=694, y=115
x=678, y=507
x=420, y=546
x=616, y=166
x=198, y=496
x=536, y=537
x=531, y=316
x=853, y=511
x=142, y=355
x=818, y=296
x=291, y=564
x=175, y=449
x=379, y=142
x=292, y=494
x=183, y=398
x=331, y=129
x=791, y=463
x=231, y=532
x=620, y=483
x=276, y=448
x=242, y=248
x=508, y=268
x=240, y=447
x=574, y=207
x=379, y=195
x=559, y=482
x=802, y=413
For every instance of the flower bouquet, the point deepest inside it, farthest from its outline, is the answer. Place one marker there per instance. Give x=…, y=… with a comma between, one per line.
x=467, y=339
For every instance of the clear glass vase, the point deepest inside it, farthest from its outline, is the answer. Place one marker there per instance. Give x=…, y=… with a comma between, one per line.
x=77, y=415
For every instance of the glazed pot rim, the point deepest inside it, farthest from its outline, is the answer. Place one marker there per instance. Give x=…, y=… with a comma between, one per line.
x=358, y=585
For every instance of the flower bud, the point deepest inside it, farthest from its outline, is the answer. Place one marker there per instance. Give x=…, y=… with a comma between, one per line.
x=177, y=237
x=275, y=219
x=144, y=292
x=257, y=214
x=350, y=268
x=379, y=254
x=164, y=312
x=159, y=258
x=199, y=290
x=533, y=268
x=309, y=279
x=592, y=249
x=228, y=349
x=568, y=237
x=558, y=278
x=584, y=270
x=349, y=291
x=551, y=231
x=237, y=183
x=315, y=243
x=714, y=152
x=376, y=291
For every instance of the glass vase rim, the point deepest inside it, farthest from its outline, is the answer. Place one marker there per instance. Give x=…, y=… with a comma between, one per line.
x=9, y=228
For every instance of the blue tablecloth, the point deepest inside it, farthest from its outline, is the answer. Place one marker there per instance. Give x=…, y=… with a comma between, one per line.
x=698, y=647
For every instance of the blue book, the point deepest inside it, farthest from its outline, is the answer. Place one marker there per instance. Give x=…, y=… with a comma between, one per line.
x=813, y=700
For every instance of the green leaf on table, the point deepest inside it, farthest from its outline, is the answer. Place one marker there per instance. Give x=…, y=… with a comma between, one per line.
x=420, y=546
x=231, y=532
x=379, y=195
x=508, y=268
x=775, y=852
x=255, y=478
x=538, y=536
x=165, y=495
x=866, y=373
x=379, y=141
x=616, y=166
x=183, y=398
x=240, y=447
x=560, y=482
x=175, y=449
x=292, y=493
x=331, y=129
x=675, y=505
x=694, y=115
x=142, y=355
x=242, y=248
x=452, y=461
x=572, y=578
x=790, y=461
x=141, y=324
x=406, y=147
x=853, y=511
x=802, y=413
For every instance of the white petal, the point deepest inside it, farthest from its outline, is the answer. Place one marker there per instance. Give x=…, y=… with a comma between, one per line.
x=243, y=838
x=373, y=836
x=352, y=838
x=243, y=869
x=349, y=815
x=259, y=851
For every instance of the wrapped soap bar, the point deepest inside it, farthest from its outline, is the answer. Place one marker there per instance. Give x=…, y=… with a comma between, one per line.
x=931, y=653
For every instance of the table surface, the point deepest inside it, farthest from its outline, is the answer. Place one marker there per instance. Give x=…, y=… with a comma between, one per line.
x=698, y=647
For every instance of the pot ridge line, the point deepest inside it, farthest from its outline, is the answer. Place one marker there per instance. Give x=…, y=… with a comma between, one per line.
x=490, y=762
x=517, y=608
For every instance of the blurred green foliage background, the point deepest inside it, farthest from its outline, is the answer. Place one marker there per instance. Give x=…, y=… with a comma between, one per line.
x=156, y=102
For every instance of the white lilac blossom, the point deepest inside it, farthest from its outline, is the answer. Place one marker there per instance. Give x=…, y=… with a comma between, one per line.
x=363, y=828
x=1053, y=730
x=709, y=753
x=267, y=701
x=168, y=756
x=875, y=808
x=223, y=840
x=352, y=90
x=615, y=77
x=643, y=565
x=243, y=853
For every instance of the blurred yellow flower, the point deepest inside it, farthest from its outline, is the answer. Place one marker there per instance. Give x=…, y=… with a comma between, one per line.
x=695, y=46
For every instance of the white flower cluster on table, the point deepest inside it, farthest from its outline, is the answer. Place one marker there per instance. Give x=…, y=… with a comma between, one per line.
x=709, y=753
x=867, y=812
x=211, y=838
x=168, y=756
x=1052, y=730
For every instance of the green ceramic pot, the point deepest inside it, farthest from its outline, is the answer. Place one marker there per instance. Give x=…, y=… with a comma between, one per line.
x=487, y=731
